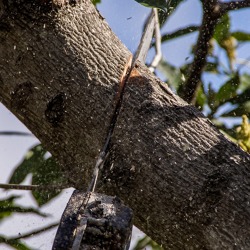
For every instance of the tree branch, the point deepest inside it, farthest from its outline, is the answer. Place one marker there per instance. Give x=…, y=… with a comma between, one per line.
x=14, y=133
x=17, y=209
x=38, y=231
x=210, y=18
x=212, y=12
x=33, y=187
x=234, y=5
x=178, y=33
x=15, y=241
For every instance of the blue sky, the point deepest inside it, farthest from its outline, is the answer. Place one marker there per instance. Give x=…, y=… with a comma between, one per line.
x=129, y=30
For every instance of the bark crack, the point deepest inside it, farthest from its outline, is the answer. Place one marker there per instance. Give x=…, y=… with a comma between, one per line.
x=129, y=66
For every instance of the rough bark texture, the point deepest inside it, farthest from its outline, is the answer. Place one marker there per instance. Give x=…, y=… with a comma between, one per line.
x=60, y=73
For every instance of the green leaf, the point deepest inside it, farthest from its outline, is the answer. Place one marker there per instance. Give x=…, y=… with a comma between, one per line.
x=224, y=38
x=241, y=36
x=53, y=176
x=165, y=7
x=7, y=207
x=222, y=30
x=230, y=132
x=174, y=76
x=7, y=203
x=227, y=90
x=160, y=4
x=227, y=135
x=44, y=171
x=211, y=67
x=180, y=32
x=243, y=91
x=211, y=100
x=240, y=99
x=201, y=98
x=172, y=4
x=244, y=82
x=164, y=15
x=239, y=111
x=15, y=243
x=95, y=2
x=146, y=241
x=33, y=160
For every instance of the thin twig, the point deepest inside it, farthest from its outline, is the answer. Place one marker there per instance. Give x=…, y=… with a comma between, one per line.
x=184, y=31
x=33, y=187
x=158, y=54
x=235, y=5
x=16, y=240
x=27, y=235
x=18, y=209
x=15, y=133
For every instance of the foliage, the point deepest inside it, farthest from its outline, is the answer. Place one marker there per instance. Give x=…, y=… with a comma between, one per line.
x=7, y=208
x=243, y=134
x=15, y=243
x=161, y=4
x=147, y=242
x=44, y=172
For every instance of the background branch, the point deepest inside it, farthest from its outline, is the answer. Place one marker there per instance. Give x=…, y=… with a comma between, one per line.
x=33, y=187
x=235, y=5
x=15, y=241
x=212, y=12
x=15, y=133
x=30, y=234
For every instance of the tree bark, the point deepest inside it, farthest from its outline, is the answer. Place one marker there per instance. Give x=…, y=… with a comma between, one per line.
x=61, y=73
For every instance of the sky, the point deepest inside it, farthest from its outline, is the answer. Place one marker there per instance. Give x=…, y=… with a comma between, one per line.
x=126, y=18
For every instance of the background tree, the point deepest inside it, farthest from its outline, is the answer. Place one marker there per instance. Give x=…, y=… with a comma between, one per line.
x=234, y=91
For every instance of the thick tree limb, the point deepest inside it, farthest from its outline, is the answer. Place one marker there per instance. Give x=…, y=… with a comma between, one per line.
x=71, y=50
x=60, y=72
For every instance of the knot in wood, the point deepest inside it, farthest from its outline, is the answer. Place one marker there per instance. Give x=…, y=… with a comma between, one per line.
x=55, y=110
